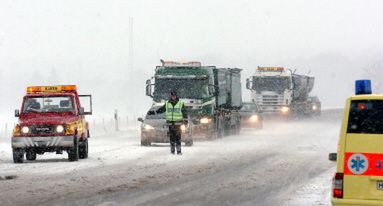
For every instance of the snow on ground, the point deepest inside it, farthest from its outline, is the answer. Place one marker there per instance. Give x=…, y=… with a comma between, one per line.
x=283, y=164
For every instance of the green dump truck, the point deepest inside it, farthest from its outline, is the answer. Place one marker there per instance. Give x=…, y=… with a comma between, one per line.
x=212, y=96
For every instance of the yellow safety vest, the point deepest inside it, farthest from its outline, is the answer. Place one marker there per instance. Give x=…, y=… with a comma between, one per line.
x=174, y=114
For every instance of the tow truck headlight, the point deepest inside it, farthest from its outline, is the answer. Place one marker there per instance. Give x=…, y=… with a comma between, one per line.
x=148, y=127
x=254, y=118
x=59, y=129
x=25, y=130
x=204, y=120
x=285, y=109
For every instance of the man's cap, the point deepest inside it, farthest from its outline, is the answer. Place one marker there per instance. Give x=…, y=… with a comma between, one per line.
x=173, y=93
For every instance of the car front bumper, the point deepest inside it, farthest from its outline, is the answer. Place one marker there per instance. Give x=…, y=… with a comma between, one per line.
x=36, y=142
x=161, y=136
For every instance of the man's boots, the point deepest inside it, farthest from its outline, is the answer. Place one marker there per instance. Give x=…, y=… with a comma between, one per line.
x=172, y=148
x=179, y=150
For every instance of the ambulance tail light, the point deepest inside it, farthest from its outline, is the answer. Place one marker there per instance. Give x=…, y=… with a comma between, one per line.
x=337, y=185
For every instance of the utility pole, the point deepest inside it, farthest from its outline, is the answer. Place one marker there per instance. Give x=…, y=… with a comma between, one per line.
x=131, y=50
x=116, y=119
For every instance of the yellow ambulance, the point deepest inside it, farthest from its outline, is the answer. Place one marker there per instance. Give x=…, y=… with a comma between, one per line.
x=359, y=172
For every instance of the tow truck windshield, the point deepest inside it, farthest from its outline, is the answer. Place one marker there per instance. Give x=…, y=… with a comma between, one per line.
x=366, y=116
x=56, y=104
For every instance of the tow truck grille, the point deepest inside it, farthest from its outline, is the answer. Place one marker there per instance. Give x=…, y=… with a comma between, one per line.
x=42, y=129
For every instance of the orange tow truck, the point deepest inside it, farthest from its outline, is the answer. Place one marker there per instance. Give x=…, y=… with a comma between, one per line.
x=51, y=119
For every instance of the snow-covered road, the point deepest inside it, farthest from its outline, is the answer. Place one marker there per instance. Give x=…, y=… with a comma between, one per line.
x=283, y=164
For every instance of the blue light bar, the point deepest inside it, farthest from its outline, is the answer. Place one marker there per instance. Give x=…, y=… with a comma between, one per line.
x=363, y=87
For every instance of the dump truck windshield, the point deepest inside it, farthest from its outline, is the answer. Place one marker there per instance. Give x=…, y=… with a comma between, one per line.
x=366, y=116
x=278, y=84
x=190, y=88
x=48, y=104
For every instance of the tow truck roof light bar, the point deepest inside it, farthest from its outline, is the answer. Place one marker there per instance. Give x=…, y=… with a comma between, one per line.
x=49, y=89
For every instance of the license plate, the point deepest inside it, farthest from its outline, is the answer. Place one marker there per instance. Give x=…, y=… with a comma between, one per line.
x=40, y=139
x=379, y=185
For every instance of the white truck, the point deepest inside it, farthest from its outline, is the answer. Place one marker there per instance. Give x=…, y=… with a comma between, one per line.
x=278, y=90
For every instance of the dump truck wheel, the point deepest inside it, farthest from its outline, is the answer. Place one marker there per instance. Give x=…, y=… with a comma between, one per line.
x=145, y=143
x=189, y=143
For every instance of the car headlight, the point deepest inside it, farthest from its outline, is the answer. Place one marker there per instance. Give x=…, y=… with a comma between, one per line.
x=285, y=109
x=183, y=128
x=59, y=129
x=25, y=130
x=204, y=120
x=254, y=118
x=148, y=127
x=315, y=107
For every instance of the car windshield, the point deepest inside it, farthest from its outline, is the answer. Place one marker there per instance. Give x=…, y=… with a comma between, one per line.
x=278, y=84
x=152, y=114
x=249, y=107
x=48, y=104
x=366, y=116
x=185, y=88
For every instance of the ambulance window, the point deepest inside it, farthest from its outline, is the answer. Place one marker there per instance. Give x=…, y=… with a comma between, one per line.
x=366, y=116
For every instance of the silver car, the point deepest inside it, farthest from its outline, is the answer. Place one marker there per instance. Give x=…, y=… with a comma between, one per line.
x=154, y=129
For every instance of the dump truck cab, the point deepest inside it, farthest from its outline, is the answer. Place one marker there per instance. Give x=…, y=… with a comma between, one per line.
x=51, y=119
x=359, y=172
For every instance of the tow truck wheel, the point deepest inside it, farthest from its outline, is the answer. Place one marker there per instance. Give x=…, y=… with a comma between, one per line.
x=145, y=143
x=260, y=125
x=30, y=155
x=83, y=150
x=18, y=156
x=189, y=143
x=73, y=154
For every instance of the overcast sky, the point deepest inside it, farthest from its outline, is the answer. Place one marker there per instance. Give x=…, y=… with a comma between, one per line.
x=87, y=43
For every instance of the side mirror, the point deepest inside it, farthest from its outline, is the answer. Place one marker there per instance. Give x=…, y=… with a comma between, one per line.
x=332, y=156
x=149, y=88
x=17, y=113
x=248, y=85
x=213, y=90
x=86, y=101
x=140, y=119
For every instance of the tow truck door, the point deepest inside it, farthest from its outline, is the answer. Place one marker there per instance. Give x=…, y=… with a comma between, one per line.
x=363, y=159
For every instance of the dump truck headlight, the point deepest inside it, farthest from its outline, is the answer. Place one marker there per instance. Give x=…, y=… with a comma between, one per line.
x=25, y=130
x=148, y=127
x=204, y=120
x=285, y=109
x=254, y=118
x=183, y=128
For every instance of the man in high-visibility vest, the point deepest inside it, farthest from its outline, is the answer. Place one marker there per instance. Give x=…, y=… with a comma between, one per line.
x=176, y=116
